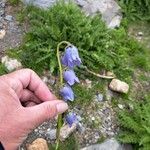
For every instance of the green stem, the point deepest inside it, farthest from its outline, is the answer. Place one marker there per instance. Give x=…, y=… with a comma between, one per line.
x=59, y=121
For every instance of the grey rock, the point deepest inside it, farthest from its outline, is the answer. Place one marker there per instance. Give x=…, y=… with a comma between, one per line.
x=40, y=3
x=1, y=12
x=109, y=144
x=109, y=94
x=9, y=18
x=2, y=4
x=51, y=134
x=1, y=26
x=81, y=3
x=99, y=97
x=109, y=9
x=81, y=128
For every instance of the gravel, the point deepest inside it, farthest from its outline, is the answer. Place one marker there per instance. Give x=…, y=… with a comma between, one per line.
x=8, y=22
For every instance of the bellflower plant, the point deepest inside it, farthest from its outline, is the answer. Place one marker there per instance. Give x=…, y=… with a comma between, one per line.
x=70, y=59
x=70, y=77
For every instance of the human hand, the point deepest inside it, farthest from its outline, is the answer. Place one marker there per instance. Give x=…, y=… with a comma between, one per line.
x=17, y=120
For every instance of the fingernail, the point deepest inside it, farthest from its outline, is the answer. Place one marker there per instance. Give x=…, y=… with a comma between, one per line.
x=62, y=107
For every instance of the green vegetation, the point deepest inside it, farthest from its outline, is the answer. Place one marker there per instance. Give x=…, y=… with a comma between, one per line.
x=70, y=144
x=99, y=47
x=135, y=124
x=136, y=9
x=14, y=2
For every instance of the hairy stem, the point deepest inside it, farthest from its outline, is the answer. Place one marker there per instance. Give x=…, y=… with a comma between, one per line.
x=59, y=121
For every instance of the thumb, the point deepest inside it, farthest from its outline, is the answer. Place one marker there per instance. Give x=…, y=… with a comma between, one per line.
x=47, y=110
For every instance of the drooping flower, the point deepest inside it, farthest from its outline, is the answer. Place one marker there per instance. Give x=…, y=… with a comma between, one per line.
x=71, y=57
x=67, y=93
x=70, y=77
x=71, y=118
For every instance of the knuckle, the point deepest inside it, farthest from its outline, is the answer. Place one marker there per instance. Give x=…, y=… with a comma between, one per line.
x=51, y=111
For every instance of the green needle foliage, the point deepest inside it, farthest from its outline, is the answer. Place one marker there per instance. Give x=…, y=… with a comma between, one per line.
x=136, y=9
x=135, y=125
x=99, y=47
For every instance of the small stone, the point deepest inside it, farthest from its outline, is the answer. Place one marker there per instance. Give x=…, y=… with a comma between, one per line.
x=88, y=83
x=38, y=144
x=109, y=94
x=51, y=134
x=140, y=34
x=1, y=12
x=120, y=106
x=2, y=34
x=11, y=64
x=119, y=86
x=81, y=128
x=52, y=81
x=9, y=18
x=66, y=131
x=99, y=97
x=2, y=5
x=81, y=3
x=109, y=73
x=45, y=79
x=93, y=118
x=35, y=130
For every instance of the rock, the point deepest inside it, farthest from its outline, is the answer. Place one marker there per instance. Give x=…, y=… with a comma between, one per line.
x=9, y=18
x=109, y=9
x=38, y=144
x=2, y=12
x=93, y=118
x=81, y=128
x=40, y=3
x=44, y=79
x=109, y=73
x=51, y=134
x=81, y=3
x=109, y=94
x=120, y=106
x=99, y=97
x=140, y=34
x=66, y=131
x=88, y=83
x=2, y=34
x=11, y=64
x=119, y=86
x=109, y=144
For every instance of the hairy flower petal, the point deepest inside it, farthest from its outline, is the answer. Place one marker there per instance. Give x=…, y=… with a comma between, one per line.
x=70, y=77
x=71, y=57
x=71, y=118
x=67, y=93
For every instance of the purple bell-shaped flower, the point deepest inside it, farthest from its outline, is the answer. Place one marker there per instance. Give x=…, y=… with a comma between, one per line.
x=67, y=93
x=71, y=57
x=71, y=118
x=70, y=77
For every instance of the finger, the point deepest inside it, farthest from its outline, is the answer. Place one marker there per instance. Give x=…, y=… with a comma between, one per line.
x=28, y=95
x=26, y=78
x=45, y=111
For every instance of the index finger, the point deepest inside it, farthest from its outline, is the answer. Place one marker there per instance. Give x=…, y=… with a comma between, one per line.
x=27, y=78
